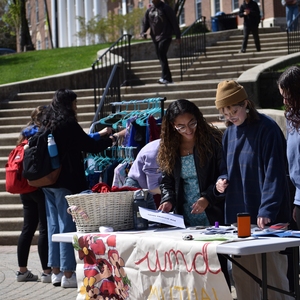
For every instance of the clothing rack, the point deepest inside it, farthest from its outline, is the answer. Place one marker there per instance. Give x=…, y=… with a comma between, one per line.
x=135, y=102
x=147, y=100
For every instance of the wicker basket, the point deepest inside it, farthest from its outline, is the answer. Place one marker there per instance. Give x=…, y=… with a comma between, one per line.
x=90, y=211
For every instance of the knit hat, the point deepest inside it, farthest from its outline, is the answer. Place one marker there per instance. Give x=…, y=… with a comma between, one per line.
x=229, y=92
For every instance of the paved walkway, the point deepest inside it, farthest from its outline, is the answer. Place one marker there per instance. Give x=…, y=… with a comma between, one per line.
x=13, y=290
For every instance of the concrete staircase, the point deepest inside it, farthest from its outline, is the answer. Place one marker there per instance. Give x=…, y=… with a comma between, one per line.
x=221, y=62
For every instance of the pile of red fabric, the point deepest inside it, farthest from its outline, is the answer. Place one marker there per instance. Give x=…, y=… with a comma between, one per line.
x=104, y=188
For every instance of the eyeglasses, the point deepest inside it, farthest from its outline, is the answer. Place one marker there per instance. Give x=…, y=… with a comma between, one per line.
x=231, y=112
x=183, y=129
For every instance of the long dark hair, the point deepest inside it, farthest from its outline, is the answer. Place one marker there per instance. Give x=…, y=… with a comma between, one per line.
x=170, y=138
x=289, y=82
x=61, y=109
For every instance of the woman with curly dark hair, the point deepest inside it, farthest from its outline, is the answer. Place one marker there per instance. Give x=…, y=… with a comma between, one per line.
x=189, y=157
x=289, y=88
x=60, y=118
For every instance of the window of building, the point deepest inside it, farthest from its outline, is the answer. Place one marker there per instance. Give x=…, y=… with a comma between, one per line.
x=217, y=6
x=37, y=11
x=28, y=14
x=46, y=42
x=45, y=12
x=141, y=4
x=120, y=12
x=198, y=9
x=130, y=8
x=38, y=41
x=235, y=4
x=182, y=18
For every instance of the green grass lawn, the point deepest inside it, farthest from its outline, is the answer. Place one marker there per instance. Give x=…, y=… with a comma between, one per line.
x=35, y=64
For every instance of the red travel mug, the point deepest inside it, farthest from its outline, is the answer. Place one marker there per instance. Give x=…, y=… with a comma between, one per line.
x=243, y=225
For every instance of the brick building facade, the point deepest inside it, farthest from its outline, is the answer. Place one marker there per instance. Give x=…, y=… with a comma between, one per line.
x=54, y=23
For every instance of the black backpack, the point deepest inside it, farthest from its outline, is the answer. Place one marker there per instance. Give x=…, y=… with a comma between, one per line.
x=37, y=167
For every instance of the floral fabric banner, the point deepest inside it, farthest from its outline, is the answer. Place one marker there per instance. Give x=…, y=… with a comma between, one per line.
x=137, y=267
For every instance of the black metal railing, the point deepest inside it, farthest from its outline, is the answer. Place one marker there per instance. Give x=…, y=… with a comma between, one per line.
x=293, y=35
x=192, y=45
x=111, y=93
x=111, y=71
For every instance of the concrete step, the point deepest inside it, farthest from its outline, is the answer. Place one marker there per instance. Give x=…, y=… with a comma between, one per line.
x=10, y=238
x=11, y=210
x=2, y=175
x=7, y=198
x=221, y=62
x=25, y=107
x=11, y=224
x=47, y=96
x=21, y=116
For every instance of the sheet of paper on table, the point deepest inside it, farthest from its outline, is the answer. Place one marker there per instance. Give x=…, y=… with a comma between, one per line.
x=161, y=217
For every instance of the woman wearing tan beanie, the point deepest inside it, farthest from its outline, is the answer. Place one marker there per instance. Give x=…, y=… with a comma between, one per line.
x=253, y=180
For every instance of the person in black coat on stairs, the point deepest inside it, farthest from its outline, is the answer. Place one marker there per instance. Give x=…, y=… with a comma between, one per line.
x=249, y=10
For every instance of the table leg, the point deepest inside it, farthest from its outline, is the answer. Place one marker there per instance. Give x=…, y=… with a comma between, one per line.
x=264, y=282
x=296, y=272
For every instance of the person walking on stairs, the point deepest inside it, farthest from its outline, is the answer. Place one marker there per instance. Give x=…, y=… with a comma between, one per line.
x=161, y=20
x=250, y=12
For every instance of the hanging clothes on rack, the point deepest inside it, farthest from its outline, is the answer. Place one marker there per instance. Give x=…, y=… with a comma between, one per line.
x=142, y=124
x=142, y=119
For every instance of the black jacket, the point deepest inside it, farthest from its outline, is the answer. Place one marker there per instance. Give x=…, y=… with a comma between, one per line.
x=172, y=186
x=71, y=142
x=253, y=19
x=161, y=20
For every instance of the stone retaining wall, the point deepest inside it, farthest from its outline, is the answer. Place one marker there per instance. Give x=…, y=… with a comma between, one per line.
x=83, y=79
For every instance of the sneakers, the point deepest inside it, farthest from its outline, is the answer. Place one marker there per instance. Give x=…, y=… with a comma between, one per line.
x=69, y=282
x=164, y=81
x=27, y=276
x=46, y=278
x=242, y=51
x=56, y=278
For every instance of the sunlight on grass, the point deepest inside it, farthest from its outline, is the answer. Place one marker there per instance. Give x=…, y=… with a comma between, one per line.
x=35, y=64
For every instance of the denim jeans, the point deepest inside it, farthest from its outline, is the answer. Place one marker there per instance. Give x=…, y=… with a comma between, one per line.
x=61, y=255
x=291, y=14
x=150, y=200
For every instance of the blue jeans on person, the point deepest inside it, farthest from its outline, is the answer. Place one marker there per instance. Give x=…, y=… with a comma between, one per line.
x=162, y=48
x=291, y=14
x=61, y=255
x=133, y=183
